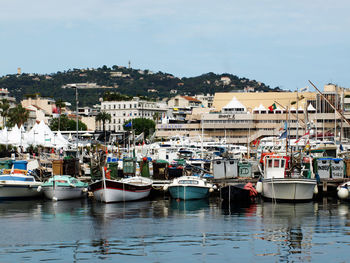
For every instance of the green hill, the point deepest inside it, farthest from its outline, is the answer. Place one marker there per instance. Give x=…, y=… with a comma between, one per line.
x=127, y=81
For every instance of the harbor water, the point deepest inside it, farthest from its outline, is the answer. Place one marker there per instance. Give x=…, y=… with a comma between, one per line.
x=165, y=230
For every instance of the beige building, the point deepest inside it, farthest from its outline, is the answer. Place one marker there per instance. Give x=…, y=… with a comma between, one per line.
x=90, y=122
x=244, y=117
x=44, y=104
x=180, y=101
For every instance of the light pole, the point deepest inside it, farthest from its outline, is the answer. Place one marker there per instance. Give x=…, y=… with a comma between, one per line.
x=77, y=118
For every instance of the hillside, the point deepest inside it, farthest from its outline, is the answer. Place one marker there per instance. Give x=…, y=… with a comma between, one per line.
x=123, y=80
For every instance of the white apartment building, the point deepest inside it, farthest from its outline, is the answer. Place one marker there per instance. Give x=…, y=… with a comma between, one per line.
x=122, y=111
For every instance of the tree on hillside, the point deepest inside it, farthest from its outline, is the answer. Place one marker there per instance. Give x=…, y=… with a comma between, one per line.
x=66, y=124
x=140, y=125
x=4, y=107
x=103, y=116
x=18, y=115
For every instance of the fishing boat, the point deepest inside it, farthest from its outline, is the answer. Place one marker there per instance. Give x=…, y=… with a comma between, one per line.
x=277, y=186
x=126, y=189
x=189, y=187
x=18, y=184
x=239, y=194
x=63, y=187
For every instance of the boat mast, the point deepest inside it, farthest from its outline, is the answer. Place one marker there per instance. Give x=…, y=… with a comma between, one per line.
x=202, y=164
x=77, y=119
x=297, y=135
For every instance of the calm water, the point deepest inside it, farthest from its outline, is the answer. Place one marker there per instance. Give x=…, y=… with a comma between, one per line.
x=170, y=231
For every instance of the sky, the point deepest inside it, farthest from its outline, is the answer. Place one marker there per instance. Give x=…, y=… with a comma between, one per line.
x=280, y=43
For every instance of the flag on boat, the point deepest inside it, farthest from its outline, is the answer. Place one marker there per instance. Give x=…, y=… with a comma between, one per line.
x=272, y=107
x=283, y=135
x=129, y=124
x=256, y=142
x=302, y=137
x=305, y=89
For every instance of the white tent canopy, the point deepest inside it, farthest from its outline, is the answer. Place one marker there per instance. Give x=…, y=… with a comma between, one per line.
x=311, y=108
x=40, y=134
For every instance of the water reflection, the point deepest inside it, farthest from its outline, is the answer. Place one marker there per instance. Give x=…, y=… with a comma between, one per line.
x=65, y=209
x=167, y=230
x=189, y=205
x=15, y=209
x=290, y=227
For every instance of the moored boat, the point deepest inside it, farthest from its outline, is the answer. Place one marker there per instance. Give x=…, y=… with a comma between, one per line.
x=276, y=186
x=63, y=187
x=128, y=189
x=239, y=194
x=18, y=184
x=189, y=187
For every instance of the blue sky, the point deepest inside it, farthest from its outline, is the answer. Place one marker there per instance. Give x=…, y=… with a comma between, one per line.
x=281, y=43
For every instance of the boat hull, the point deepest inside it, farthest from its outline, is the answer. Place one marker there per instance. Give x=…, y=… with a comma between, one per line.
x=18, y=190
x=188, y=192
x=64, y=192
x=116, y=191
x=236, y=194
x=285, y=189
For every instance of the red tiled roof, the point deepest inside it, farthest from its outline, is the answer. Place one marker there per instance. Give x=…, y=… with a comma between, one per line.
x=190, y=98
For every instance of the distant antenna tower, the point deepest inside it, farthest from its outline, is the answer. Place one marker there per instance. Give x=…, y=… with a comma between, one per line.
x=129, y=64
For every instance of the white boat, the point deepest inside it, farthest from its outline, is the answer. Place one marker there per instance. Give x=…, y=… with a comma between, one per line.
x=129, y=189
x=63, y=187
x=276, y=186
x=189, y=187
x=18, y=184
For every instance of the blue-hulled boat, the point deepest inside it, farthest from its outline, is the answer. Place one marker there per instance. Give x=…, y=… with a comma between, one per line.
x=189, y=187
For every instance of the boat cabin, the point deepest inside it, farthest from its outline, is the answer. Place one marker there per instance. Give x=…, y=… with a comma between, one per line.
x=275, y=166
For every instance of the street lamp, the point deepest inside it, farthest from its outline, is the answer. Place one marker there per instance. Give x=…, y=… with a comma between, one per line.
x=77, y=118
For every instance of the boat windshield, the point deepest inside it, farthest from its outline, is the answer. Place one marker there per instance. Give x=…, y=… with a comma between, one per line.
x=188, y=182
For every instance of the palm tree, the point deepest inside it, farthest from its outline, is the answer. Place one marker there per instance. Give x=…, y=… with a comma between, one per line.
x=18, y=115
x=103, y=116
x=4, y=107
x=59, y=105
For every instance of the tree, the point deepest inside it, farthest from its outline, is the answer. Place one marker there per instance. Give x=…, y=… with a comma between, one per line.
x=103, y=116
x=18, y=115
x=66, y=124
x=4, y=107
x=140, y=125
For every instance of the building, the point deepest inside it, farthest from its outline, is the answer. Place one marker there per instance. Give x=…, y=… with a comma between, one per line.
x=182, y=106
x=45, y=104
x=244, y=117
x=4, y=95
x=207, y=100
x=122, y=111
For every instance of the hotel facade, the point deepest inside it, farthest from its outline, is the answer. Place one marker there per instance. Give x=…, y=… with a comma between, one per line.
x=244, y=117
